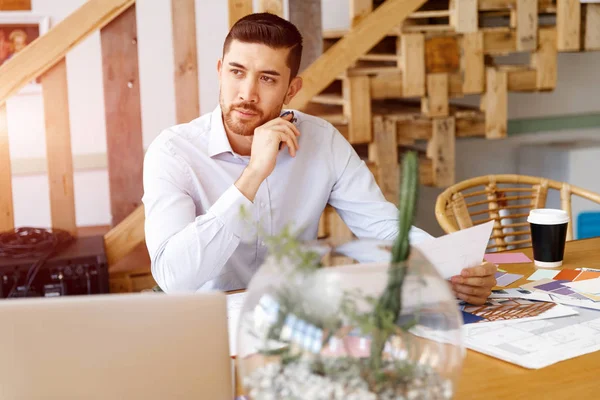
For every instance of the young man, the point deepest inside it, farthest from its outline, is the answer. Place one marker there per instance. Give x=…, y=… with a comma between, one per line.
x=197, y=176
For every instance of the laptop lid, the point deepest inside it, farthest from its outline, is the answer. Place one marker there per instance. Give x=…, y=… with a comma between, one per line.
x=131, y=346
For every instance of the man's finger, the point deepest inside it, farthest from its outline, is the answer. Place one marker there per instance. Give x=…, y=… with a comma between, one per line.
x=287, y=132
x=484, y=269
x=286, y=138
x=488, y=281
x=476, y=301
x=485, y=281
x=288, y=123
x=469, y=290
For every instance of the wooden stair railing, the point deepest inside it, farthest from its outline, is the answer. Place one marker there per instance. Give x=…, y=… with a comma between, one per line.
x=354, y=44
x=47, y=50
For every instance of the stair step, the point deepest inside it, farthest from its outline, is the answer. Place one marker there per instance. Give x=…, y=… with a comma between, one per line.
x=379, y=57
x=334, y=119
x=430, y=14
x=331, y=99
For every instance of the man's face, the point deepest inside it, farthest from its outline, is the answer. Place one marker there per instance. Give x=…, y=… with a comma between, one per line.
x=254, y=85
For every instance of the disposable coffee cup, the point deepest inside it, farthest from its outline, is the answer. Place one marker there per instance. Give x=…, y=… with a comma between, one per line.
x=548, y=236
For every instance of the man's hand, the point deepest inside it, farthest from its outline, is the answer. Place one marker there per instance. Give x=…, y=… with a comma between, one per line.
x=474, y=285
x=266, y=144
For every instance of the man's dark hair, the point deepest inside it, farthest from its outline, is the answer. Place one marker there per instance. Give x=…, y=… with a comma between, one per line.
x=270, y=30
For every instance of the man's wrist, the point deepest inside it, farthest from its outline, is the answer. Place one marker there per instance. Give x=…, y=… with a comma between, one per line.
x=249, y=182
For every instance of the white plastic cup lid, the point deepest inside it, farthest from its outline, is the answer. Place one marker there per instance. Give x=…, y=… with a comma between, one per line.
x=548, y=216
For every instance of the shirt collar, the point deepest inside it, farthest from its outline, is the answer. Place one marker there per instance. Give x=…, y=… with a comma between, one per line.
x=218, y=142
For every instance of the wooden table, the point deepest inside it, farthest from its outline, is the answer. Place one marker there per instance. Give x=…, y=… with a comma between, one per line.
x=485, y=377
x=489, y=378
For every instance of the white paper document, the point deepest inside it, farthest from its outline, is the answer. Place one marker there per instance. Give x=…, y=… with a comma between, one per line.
x=538, y=344
x=449, y=253
x=234, y=309
x=453, y=252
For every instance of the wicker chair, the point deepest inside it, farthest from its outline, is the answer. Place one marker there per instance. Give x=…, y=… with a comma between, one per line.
x=505, y=199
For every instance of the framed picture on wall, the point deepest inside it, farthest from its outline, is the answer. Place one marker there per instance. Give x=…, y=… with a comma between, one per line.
x=17, y=30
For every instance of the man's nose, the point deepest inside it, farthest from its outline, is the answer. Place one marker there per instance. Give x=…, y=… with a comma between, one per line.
x=248, y=91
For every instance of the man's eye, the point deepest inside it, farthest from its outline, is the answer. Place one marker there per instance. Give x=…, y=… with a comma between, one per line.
x=268, y=79
x=236, y=72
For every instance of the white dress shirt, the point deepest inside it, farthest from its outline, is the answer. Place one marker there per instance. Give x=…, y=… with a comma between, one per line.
x=195, y=234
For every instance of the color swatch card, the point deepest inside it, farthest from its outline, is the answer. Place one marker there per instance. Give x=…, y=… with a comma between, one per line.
x=591, y=286
x=570, y=275
x=558, y=287
x=506, y=258
x=504, y=278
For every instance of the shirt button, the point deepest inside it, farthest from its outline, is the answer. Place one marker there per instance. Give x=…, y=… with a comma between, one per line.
x=263, y=205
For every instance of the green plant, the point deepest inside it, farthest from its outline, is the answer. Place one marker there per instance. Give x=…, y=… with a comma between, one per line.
x=389, y=305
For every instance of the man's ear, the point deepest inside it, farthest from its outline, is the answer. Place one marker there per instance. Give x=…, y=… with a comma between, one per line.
x=219, y=67
x=293, y=89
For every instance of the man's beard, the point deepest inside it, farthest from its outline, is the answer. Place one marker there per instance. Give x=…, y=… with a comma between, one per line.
x=245, y=128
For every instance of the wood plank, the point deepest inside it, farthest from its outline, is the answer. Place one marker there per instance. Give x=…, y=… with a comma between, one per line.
x=413, y=64
x=436, y=102
x=472, y=65
x=388, y=86
x=414, y=129
x=522, y=80
x=238, y=9
x=491, y=5
x=271, y=6
x=425, y=171
x=527, y=24
x=471, y=124
x=357, y=107
x=338, y=230
x=357, y=42
x=544, y=60
x=568, y=25
x=592, y=27
x=496, y=104
x=441, y=150
x=442, y=54
x=125, y=237
x=15, y=5
x=7, y=219
x=383, y=151
x=58, y=148
x=123, y=114
x=499, y=41
x=359, y=9
x=187, y=92
x=39, y=56
x=306, y=15
x=464, y=16
x=323, y=231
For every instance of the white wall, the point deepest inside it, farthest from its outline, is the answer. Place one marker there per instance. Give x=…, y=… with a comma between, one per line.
x=577, y=92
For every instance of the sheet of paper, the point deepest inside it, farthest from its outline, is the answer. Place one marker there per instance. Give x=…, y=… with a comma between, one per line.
x=542, y=274
x=453, y=252
x=591, y=286
x=234, y=308
x=507, y=279
x=507, y=258
x=539, y=343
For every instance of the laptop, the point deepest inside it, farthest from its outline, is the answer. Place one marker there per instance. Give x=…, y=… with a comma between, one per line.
x=121, y=346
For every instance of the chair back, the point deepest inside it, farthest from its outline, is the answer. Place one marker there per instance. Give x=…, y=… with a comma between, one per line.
x=506, y=200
